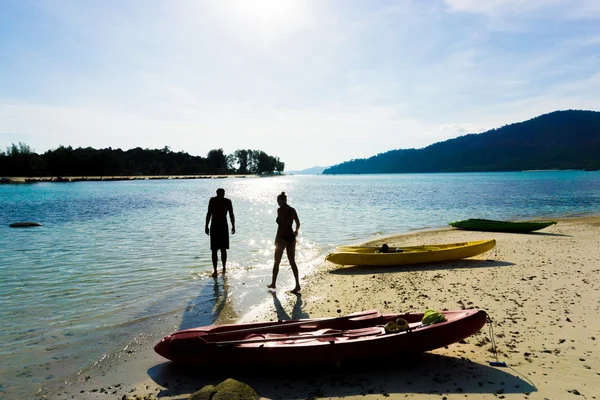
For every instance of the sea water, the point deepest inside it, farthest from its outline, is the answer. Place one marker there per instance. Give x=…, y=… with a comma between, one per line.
x=113, y=258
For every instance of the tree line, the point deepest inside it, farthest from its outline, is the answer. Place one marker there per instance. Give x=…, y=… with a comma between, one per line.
x=559, y=140
x=20, y=160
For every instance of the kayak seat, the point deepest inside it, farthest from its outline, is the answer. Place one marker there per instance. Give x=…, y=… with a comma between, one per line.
x=402, y=324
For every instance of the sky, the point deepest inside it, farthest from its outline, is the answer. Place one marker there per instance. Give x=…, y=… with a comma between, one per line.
x=313, y=82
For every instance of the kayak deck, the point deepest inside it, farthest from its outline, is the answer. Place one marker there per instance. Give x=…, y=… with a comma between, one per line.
x=357, y=255
x=316, y=341
x=488, y=225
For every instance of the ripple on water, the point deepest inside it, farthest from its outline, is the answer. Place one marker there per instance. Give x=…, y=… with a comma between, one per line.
x=114, y=259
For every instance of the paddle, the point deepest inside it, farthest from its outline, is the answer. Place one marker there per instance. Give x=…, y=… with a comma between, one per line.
x=279, y=339
x=370, y=331
x=368, y=314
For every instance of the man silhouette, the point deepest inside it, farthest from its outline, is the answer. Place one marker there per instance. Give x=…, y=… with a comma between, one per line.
x=218, y=207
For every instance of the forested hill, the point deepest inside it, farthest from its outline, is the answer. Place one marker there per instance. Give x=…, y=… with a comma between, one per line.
x=558, y=140
x=21, y=160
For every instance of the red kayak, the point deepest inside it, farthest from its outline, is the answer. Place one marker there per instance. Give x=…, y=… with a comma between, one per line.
x=366, y=335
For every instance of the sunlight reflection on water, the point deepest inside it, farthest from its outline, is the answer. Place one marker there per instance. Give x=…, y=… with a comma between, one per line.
x=114, y=258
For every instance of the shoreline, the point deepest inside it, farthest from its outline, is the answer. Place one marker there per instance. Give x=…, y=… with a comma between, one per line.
x=108, y=178
x=540, y=289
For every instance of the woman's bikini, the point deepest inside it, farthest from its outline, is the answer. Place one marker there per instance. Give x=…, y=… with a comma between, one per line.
x=289, y=239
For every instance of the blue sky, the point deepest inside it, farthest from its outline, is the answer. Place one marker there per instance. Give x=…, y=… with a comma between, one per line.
x=311, y=82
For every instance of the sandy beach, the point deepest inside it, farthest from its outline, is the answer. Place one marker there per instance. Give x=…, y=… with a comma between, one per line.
x=540, y=290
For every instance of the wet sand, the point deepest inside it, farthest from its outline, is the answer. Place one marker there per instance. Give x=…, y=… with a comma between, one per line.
x=540, y=289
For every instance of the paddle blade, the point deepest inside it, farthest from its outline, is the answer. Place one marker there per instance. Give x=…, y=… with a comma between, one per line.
x=360, y=315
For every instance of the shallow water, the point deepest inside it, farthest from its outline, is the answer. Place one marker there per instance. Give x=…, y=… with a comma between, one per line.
x=113, y=258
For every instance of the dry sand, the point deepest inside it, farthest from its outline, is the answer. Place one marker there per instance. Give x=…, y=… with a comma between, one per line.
x=540, y=289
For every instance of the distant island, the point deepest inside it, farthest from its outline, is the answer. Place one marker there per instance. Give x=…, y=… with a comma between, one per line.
x=21, y=161
x=308, y=171
x=558, y=140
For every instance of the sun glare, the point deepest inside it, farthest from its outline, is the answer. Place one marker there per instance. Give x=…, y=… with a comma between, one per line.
x=266, y=15
x=267, y=10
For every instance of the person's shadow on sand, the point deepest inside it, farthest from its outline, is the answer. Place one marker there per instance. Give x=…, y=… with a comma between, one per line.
x=206, y=307
x=422, y=373
x=297, y=312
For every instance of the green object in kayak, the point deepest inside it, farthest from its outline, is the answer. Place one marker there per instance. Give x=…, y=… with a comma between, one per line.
x=489, y=225
x=432, y=317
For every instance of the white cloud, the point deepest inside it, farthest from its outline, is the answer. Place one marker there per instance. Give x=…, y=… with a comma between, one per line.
x=500, y=7
x=319, y=85
x=575, y=9
x=585, y=41
x=300, y=138
x=459, y=129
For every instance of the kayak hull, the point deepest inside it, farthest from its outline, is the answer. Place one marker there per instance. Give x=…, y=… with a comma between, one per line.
x=489, y=225
x=357, y=255
x=214, y=347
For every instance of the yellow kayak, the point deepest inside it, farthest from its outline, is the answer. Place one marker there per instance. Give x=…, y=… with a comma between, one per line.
x=365, y=255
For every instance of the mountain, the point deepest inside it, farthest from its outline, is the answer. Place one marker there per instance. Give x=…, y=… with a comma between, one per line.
x=308, y=171
x=559, y=140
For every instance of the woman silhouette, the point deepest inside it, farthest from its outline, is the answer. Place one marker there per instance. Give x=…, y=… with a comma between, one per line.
x=286, y=239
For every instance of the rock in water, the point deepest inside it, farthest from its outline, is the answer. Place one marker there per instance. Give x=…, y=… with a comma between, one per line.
x=24, y=224
x=229, y=389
